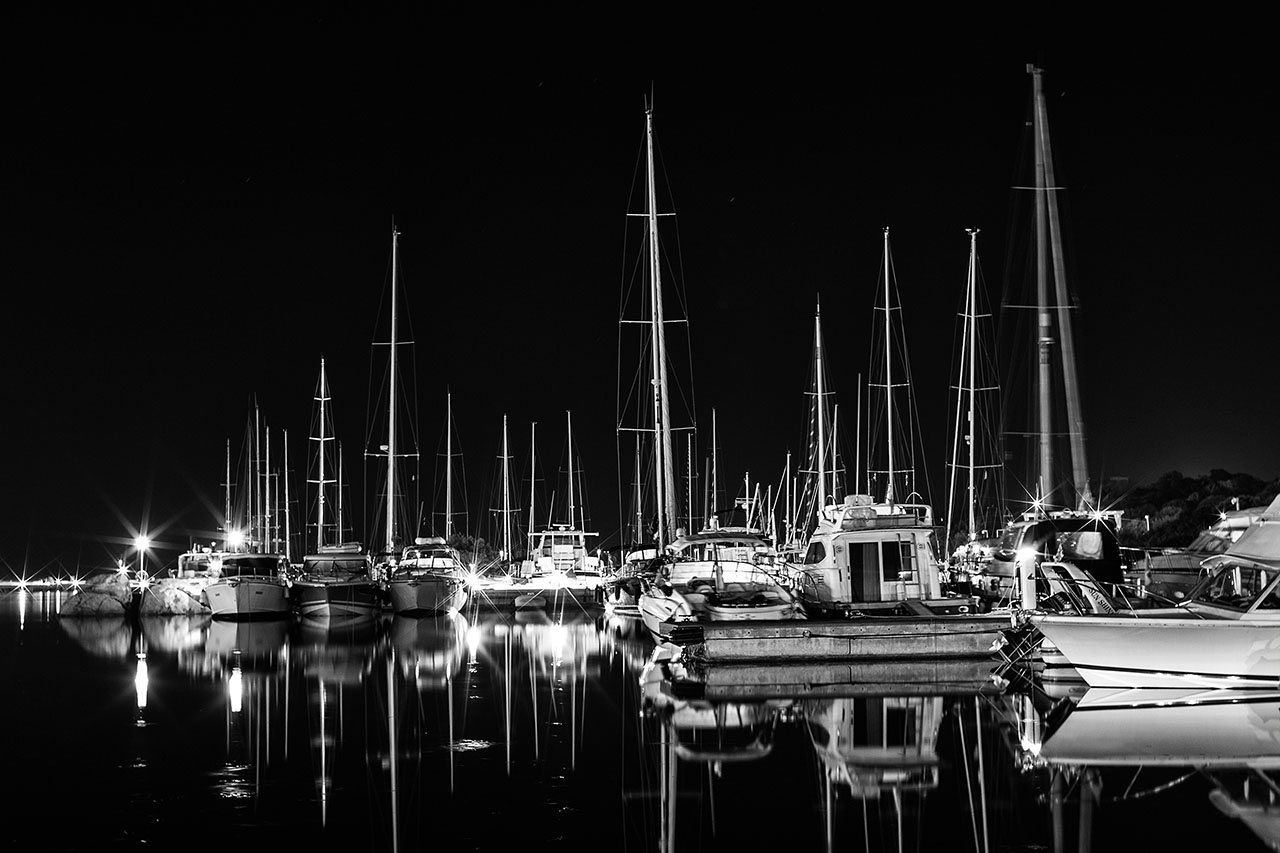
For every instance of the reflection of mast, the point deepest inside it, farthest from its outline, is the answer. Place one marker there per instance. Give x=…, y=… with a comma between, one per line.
x=393, y=746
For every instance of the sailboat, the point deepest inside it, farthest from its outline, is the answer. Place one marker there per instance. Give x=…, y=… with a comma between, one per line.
x=712, y=574
x=974, y=485
x=427, y=576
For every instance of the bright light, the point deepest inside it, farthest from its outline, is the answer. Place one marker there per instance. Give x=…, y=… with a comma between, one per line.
x=473, y=579
x=235, y=538
x=140, y=681
x=473, y=640
x=1026, y=554
x=142, y=542
x=235, y=688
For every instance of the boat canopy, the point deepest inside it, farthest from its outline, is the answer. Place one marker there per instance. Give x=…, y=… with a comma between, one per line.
x=253, y=565
x=1261, y=542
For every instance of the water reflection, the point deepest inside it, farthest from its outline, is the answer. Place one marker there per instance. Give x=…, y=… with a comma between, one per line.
x=1148, y=743
x=565, y=729
x=901, y=755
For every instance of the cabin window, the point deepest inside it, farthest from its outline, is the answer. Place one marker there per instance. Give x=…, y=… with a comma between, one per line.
x=816, y=554
x=1236, y=587
x=1083, y=545
x=890, y=561
x=1272, y=601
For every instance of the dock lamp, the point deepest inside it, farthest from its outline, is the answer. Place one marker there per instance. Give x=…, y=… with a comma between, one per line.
x=142, y=543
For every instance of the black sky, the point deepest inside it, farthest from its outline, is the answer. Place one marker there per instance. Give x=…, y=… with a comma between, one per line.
x=187, y=232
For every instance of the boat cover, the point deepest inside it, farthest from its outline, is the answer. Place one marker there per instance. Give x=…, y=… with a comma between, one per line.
x=1262, y=540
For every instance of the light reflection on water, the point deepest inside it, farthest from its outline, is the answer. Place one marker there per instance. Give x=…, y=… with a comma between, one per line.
x=476, y=732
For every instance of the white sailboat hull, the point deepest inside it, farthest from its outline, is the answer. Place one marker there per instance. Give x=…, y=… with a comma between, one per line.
x=1168, y=651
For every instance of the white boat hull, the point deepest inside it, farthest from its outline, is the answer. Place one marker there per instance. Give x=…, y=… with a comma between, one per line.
x=247, y=597
x=427, y=594
x=1128, y=651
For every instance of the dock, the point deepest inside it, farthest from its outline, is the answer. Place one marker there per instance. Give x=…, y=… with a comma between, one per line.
x=975, y=636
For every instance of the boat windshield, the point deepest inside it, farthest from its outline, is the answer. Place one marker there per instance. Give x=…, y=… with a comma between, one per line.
x=1240, y=587
x=258, y=566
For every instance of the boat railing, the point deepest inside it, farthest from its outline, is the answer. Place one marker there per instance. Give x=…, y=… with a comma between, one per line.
x=1069, y=585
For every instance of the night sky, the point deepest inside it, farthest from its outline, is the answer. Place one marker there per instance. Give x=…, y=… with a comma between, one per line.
x=191, y=231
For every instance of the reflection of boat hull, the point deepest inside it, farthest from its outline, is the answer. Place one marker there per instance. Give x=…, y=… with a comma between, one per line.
x=1128, y=651
x=248, y=597
x=336, y=599
x=1190, y=727
x=427, y=594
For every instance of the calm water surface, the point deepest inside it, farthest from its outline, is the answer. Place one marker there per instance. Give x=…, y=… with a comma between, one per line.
x=490, y=731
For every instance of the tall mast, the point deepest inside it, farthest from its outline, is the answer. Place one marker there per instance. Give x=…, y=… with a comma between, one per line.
x=339, y=537
x=971, y=325
x=639, y=530
x=888, y=369
x=572, y=506
x=787, y=511
x=268, y=517
x=688, y=465
x=1047, y=220
x=835, y=452
x=714, y=521
x=288, y=533
x=506, y=494
x=533, y=482
x=322, y=397
x=257, y=473
x=226, y=516
x=820, y=402
x=857, y=440
x=448, y=466
x=391, y=401
x=665, y=465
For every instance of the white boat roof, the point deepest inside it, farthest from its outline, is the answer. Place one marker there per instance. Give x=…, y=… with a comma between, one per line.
x=1261, y=542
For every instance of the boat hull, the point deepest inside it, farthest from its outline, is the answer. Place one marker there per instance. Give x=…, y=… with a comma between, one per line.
x=853, y=639
x=427, y=594
x=232, y=598
x=336, y=599
x=1124, y=651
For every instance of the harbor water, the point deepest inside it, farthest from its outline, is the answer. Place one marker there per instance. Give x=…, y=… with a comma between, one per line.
x=491, y=730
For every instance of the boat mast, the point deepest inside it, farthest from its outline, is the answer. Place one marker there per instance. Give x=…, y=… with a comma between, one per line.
x=820, y=402
x=888, y=370
x=323, y=438
x=1047, y=220
x=639, y=530
x=667, y=510
x=256, y=491
x=391, y=403
x=533, y=481
x=857, y=439
x=448, y=467
x=288, y=533
x=688, y=465
x=506, y=494
x=714, y=520
x=971, y=325
x=572, y=506
x=226, y=514
x=339, y=537
x=967, y=390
